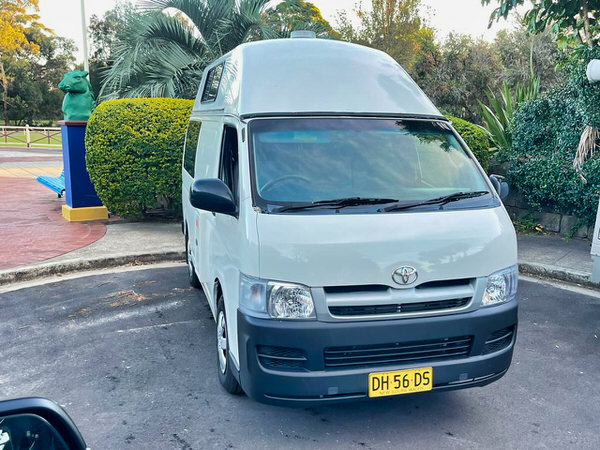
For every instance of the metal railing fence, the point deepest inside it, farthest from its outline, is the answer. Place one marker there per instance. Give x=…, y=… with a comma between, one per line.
x=30, y=136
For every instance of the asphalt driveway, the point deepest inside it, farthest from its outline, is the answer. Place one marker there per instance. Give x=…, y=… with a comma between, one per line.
x=130, y=356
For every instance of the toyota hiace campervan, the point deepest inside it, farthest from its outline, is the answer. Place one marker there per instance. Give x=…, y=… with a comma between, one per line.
x=347, y=241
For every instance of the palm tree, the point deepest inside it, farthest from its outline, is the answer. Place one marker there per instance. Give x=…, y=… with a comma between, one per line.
x=166, y=46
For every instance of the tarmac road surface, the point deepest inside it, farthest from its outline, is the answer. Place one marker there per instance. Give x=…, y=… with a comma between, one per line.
x=130, y=356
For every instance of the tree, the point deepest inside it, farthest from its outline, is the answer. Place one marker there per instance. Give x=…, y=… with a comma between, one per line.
x=575, y=23
x=393, y=26
x=529, y=67
x=292, y=15
x=572, y=21
x=515, y=47
x=15, y=26
x=33, y=94
x=457, y=74
x=163, y=53
x=105, y=32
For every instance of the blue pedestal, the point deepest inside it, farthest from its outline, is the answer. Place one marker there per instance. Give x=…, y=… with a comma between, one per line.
x=79, y=190
x=82, y=202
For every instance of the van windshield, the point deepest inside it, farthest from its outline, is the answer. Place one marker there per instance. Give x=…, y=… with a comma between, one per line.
x=386, y=162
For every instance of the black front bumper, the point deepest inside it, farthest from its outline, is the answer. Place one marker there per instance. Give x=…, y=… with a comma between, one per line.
x=314, y=383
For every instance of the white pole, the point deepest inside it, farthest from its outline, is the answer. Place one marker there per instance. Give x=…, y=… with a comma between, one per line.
x=593, y=74
x=593, y=70
x=85, y=43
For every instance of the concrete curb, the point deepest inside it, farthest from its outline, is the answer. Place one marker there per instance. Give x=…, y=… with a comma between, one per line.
x=556, y=273
x=42, y=270
x=77, y=265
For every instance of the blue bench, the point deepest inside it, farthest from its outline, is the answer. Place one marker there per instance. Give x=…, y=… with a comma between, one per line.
x=57, y=184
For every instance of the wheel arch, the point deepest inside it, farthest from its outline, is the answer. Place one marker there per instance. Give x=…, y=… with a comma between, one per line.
x=217, y=291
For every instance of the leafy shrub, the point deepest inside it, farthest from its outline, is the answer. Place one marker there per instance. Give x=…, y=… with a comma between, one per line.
x=588, y=94
x=546, y=133
x=133, y=154
x=476, y=138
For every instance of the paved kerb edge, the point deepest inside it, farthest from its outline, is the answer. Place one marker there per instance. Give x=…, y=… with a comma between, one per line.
x=556, y=273
x=63, y=267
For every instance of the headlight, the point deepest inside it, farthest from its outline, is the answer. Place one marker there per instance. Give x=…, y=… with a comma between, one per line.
x=272, y=299
x=501, y=286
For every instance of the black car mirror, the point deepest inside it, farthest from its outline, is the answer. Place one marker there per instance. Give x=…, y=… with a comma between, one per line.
x=500, y=185
x=37, y=423
x=211, y=194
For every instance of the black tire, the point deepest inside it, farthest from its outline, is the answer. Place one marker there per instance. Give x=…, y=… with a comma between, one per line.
x=193, y=278
x=226, y=377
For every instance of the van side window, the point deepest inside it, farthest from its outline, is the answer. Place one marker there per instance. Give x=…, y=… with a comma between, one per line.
x=228, y=168
x=211, y=87
x=190, y=146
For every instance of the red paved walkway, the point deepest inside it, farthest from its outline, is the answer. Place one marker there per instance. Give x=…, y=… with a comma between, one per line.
x=32, y=228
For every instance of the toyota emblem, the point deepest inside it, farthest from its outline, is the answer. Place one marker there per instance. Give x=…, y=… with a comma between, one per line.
x=405, y=275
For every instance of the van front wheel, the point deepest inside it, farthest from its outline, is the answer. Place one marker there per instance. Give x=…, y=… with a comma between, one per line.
x=225, y=368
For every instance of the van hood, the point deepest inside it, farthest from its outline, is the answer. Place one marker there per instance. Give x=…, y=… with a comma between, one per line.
x=357, y=249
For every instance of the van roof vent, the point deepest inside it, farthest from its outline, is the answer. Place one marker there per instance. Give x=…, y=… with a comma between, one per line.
x=302, y=34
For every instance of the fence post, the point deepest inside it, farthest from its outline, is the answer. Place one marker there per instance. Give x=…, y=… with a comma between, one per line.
x=27, y=135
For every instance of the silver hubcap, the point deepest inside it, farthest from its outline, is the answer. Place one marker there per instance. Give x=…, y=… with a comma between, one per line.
x=222, y=341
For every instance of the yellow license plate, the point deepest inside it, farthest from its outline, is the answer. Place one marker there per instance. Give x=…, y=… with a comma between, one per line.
x=398, y=382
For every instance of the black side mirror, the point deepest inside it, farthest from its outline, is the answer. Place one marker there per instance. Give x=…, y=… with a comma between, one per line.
x=500, y=184
x=211, y=194
x=37, y=422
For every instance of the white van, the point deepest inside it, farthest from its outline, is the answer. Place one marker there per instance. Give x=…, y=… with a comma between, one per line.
x=348, y=242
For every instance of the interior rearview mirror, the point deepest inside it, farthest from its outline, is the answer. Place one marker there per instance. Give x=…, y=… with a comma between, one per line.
x=37, y=423
x=501, y=185
x=211, y=194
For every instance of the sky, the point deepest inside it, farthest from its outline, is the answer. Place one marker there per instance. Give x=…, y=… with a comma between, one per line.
x=446, y=16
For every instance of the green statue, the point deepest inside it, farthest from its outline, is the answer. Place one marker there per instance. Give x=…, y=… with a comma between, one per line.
x=79, y=100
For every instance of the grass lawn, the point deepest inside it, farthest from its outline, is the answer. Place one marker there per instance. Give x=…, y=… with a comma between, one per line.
x=38, y=139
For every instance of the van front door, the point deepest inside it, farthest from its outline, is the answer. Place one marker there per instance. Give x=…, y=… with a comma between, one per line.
x=225, y=242
x=203, y=222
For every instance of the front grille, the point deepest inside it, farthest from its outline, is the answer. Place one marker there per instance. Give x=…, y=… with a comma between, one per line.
x=365, y=310
x=445, y=283
x=281, y=358
x=368, y=288
x=398, y=352
x=498, y=340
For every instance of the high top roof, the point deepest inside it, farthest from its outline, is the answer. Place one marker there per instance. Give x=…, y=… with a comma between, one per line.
x=313, y=76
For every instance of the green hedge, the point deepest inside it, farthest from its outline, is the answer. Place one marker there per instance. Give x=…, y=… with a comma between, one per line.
x=545, y=137
x=133, y=154
x=546, y=134
x=476, y=138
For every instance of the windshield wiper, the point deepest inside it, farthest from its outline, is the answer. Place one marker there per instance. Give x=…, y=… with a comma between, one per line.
x=435, y=201
x=336, y=203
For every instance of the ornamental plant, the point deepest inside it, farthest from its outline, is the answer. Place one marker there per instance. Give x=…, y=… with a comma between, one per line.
x=476, y=138
x=546, y=136
x=133, y=154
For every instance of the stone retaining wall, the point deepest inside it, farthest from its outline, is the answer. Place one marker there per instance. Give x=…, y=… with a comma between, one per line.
x=555, y=222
